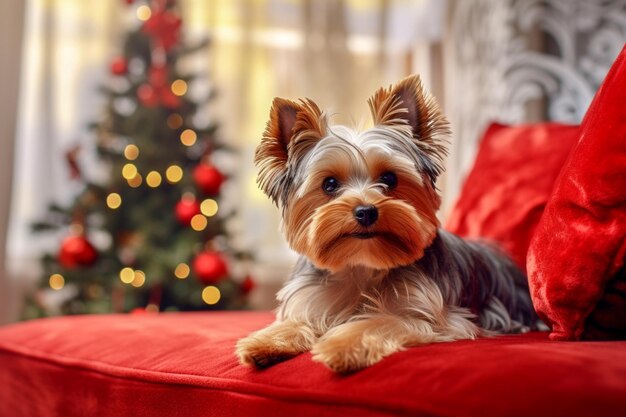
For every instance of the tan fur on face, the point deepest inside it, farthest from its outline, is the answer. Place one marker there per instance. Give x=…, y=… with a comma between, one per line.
x=402, y=235
x=319, y=226
x=417, y=191
x=298, y=219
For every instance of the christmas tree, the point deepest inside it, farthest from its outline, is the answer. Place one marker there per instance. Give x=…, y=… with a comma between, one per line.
x=159, y=205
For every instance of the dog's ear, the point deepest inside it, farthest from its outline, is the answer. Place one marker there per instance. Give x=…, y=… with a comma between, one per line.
x=292, y=130
x=407, y=103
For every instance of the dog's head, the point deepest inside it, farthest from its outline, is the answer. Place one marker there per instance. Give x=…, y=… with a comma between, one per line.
x=357, y=198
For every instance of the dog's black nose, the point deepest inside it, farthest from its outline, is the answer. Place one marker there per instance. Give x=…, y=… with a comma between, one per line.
x=366, y=215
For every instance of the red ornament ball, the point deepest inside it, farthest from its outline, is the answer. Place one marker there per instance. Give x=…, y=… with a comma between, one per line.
x=185, y=210
x=147, y=96
x=76, y=251
x=247, y=285
x=119, y=66
x=208, y=179
x=210, y=267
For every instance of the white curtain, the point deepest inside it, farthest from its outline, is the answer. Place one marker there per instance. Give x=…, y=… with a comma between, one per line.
x=11, y=26
x=66, y=47
x=336, y=52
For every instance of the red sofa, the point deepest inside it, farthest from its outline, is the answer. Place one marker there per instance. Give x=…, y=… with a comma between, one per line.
x=184, y=365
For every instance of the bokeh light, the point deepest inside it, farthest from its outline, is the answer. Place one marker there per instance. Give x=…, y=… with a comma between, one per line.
x=209, y=207
x=174, y=121
x=153, y=179
x=143, y=13
x=174, y=173
x=127, y=275
x=129, y=171
x=135, y=181
x=56, y=281
x=198, y=222
x=188, y=137
x=114, y=200
x=139, y=279
x=179, y=87
x=182, y=271
x=152, y=308
x=211, y=295
x=131, y=152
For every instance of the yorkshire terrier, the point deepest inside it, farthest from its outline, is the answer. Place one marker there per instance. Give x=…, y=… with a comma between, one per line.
x=376, y=273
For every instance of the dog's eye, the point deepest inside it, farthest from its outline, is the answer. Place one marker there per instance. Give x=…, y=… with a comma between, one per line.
x=389, y=179
x=330, y=185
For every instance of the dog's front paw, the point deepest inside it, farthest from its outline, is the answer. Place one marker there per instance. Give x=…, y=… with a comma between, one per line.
x=260, y=352
x=276, y=343
x=350, y=353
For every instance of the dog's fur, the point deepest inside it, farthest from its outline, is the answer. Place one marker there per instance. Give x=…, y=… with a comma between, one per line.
x=362, y=291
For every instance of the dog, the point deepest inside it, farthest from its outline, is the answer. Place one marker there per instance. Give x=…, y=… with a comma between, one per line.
x=376, y=273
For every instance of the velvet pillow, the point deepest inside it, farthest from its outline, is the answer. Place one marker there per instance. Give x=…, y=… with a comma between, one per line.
x=578, y=250
x=506, y=191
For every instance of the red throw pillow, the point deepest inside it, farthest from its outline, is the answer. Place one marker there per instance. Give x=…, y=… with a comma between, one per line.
x=579, y=247
x=506, y=191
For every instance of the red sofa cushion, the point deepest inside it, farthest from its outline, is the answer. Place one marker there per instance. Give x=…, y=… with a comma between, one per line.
x=184, y=365
x=580, y=244
x=508, y=187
